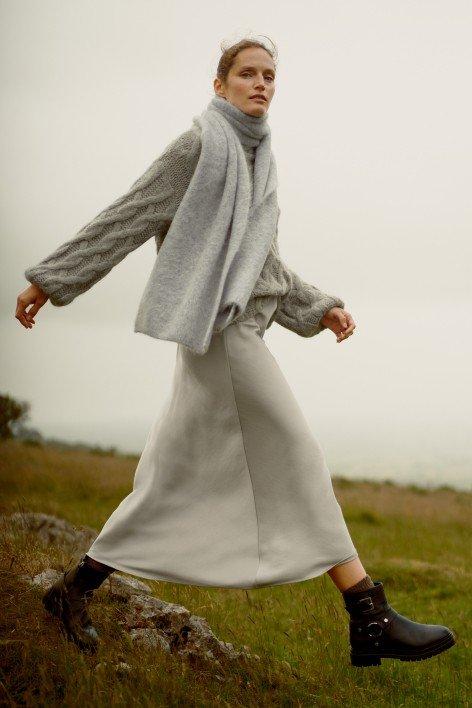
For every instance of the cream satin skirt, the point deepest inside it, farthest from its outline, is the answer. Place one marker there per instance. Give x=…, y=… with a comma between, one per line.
x=232, y=488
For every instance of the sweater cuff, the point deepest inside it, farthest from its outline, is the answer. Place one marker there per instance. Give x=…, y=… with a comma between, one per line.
x=312, y=323
x=305, y=319
x=57, y=296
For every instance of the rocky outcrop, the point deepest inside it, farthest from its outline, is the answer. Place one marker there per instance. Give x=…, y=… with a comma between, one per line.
x=147, y=620
x=50, y=529
x=153, y=623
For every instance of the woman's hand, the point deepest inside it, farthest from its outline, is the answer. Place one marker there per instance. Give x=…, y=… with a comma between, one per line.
x=340, y=322
x=33, y=295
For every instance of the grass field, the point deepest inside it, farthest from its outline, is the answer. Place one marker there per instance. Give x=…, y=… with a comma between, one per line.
x=418, y=542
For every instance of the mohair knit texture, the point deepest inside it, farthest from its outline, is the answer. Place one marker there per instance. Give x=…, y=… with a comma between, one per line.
x=220, y=235
x=363, y=584
x=146, y=211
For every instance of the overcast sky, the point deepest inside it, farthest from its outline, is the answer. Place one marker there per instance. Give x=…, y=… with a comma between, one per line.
x=371, y=131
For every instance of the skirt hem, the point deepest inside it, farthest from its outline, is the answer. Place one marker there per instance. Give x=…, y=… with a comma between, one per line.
x=161, y=579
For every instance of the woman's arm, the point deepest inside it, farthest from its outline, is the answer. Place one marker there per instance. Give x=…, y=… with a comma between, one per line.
x=146, y=210
x=303, y=307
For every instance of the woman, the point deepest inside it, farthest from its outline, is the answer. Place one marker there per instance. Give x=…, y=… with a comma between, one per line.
x=232, y=489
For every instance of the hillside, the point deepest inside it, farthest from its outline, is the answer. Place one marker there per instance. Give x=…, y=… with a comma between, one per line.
x=418, y=542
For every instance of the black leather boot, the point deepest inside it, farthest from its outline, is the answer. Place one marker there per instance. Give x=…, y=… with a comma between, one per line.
x=67, y=599
x=377, y=631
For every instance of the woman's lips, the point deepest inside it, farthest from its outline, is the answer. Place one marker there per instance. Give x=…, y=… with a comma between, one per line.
x=258, y=98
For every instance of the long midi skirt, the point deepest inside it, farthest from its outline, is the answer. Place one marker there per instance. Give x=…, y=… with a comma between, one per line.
x=232, y=489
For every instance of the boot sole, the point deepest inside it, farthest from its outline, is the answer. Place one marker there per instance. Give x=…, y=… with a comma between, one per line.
x=52, y=602
x=374, y=659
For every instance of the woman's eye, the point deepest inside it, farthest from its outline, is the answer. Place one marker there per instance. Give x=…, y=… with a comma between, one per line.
x=246, y=73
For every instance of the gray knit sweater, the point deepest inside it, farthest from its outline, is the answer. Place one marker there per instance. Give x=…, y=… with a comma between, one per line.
x=140, y=214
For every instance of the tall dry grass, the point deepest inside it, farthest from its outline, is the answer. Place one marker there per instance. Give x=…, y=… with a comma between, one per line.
x=417, y=542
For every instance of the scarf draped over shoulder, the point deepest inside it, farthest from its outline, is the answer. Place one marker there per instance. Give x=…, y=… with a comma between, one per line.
x=220, y=234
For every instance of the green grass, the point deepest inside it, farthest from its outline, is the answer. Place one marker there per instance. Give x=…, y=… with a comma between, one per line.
x=417, y=542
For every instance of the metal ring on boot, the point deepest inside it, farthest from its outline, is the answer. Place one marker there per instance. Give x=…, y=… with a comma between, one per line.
x=376, y=633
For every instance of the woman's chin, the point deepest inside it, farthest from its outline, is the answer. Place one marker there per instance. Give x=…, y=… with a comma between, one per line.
x=255, y=108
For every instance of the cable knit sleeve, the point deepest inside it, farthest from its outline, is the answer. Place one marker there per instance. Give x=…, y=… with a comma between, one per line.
x=304, y=305
x=146, y=210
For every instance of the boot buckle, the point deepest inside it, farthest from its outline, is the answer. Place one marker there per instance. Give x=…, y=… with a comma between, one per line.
x=378, y=629
x=370, y=605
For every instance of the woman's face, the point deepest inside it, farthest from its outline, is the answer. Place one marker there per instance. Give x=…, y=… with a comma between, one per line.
x=253, y=72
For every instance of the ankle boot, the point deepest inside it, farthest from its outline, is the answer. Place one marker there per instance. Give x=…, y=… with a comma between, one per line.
x=377, y=631
x=67, y=599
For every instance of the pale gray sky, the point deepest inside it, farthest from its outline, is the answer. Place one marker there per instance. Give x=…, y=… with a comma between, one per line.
x=371, y=131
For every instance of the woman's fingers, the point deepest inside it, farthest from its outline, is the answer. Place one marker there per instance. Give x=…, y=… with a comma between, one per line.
x=34, y=296
x=344, y=335
x=34, y=309
x=340, y=322
x=347, y=331
x=20, y=315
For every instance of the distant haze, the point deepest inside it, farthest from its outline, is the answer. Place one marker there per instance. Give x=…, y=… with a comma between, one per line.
x=371, y=131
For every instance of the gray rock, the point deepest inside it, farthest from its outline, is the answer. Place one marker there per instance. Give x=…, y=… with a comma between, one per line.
x=148, y=620
x=149, y=611
x=149, y=637
x=186, y=634
x=116, y=585
x=44, y=580
x=51, y=529
x=124, y=586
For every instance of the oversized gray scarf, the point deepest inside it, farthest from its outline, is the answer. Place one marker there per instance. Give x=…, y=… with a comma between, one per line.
x=219, y=239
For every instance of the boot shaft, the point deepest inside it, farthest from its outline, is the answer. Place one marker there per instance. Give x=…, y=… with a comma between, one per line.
x=366, y=603
x=85, y=578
